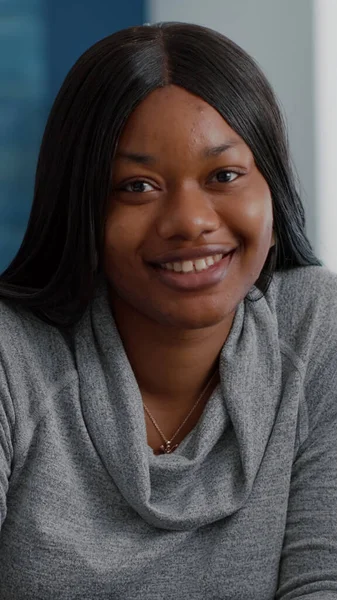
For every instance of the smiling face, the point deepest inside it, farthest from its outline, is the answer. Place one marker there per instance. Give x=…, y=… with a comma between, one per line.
x=189, y=223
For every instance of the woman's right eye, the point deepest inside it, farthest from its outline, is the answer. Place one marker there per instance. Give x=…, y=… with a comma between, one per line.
x=138, y=187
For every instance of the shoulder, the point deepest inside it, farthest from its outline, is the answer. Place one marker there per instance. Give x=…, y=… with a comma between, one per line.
x=29, y=347
x=306, y=309
x=305, y=301
x=19, y=327
x=305, y=282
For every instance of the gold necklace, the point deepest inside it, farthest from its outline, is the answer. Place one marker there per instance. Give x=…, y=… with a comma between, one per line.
x=167, y=447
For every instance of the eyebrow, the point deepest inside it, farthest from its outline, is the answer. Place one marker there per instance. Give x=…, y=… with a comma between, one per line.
x=148, y=159
x=143, y=159
x=217, y=150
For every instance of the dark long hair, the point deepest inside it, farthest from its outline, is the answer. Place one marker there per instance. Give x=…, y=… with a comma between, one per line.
x=56, y=269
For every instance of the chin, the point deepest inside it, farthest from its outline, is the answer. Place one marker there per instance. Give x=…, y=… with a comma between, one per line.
x=195, y=320
x=201, y=323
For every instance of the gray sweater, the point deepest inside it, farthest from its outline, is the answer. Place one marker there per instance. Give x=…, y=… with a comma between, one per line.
x=244, y=509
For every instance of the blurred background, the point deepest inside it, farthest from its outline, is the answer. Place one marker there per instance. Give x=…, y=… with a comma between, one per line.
x=294, y=41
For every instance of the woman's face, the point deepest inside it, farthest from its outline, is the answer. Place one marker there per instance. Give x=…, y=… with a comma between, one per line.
x=190, y=219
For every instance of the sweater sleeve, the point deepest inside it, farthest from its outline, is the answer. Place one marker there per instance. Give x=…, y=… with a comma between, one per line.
x=6, y=444
x=308, y=567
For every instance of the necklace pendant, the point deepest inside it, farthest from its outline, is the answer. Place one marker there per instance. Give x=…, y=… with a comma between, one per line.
x=167, y=448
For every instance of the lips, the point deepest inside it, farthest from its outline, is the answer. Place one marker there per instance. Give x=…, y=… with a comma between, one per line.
x=191, y=266
x=193, y=280
x=191, y=254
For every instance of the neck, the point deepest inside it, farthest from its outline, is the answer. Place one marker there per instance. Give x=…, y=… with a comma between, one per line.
x=170, y=365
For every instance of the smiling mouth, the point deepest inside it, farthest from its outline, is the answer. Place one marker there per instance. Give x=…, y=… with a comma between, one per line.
x=195, y=273
x=192, y=266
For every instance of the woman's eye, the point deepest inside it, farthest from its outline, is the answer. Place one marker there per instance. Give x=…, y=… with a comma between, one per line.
x=225, y=176
x=137, y=187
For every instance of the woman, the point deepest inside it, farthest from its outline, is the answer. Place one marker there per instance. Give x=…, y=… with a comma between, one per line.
x=168, y=342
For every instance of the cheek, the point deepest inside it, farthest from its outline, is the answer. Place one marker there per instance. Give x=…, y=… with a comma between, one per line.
x=260, y=218
x=120, y=230
x=122, y=262
x=117, y=245
x=125, y=233
x=254, y=218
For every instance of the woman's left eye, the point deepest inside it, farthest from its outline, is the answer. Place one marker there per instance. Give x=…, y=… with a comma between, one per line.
x=225, y=176
x=138, y=186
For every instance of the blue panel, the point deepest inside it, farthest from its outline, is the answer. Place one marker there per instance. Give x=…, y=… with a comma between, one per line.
x=23, y=93
x=39, y=42
x=73, y=26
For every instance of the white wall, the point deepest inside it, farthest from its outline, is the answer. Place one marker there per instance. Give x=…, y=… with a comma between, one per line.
x=325, y=45
x=279, y=35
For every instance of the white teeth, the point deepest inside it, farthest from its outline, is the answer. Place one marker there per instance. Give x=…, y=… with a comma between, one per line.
x=209, y=261
x=200, y=264
x=189, y=266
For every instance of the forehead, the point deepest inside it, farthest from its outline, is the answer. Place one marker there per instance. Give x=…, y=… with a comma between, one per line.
x=172, y=114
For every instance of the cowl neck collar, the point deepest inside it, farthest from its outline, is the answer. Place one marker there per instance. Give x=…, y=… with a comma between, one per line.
x=212, y=472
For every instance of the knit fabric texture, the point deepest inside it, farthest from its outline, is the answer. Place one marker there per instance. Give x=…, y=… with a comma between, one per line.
x=244, y=509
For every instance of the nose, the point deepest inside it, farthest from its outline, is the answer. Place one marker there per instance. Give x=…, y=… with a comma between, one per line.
x=187, y=213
